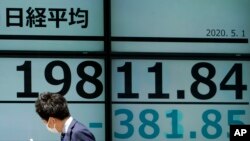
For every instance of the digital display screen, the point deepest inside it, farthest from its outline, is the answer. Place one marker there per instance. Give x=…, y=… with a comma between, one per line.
x=131, y=70
x=170, y=26
x=178, y=99
x=35, y=25
x=80, y=80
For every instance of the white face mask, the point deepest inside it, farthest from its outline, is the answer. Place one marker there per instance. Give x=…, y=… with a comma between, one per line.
x=53, y=130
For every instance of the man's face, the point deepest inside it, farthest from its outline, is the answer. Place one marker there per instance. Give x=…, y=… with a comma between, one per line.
x=52, y=125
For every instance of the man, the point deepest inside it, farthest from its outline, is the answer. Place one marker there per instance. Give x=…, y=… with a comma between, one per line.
x=53, y=110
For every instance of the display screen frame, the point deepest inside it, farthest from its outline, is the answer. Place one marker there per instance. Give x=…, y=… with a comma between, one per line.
x=109, y=47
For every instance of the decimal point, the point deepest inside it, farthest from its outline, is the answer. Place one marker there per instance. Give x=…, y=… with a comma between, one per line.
x=192, y=134
x=180, y=94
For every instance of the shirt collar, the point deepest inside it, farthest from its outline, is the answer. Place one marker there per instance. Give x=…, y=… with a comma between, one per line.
x=66, y=124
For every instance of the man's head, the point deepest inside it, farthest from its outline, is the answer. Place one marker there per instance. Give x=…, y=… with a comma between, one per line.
x=53, y=109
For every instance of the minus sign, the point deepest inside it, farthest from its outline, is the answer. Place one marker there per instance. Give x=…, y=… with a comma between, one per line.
x=95, y=125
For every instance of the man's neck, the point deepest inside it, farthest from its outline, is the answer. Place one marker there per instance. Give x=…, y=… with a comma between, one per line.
x=66, y=122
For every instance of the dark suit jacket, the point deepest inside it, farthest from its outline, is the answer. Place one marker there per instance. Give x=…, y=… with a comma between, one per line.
x=78, y=132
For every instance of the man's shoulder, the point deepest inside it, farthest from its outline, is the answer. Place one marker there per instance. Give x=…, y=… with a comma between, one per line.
x=80, y=130
x=79, y=127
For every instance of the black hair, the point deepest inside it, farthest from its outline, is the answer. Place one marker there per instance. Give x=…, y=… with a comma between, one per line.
x=51, y=105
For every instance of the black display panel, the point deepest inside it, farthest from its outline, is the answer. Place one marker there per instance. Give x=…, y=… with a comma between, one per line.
x=80, y=80
x=155, y=99
x=181, y=26
x=75, y=25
